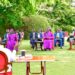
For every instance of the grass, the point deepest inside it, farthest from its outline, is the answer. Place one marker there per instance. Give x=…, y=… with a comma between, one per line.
x=64, y=64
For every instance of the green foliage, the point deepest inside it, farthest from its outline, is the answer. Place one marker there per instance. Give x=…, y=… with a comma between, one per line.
x=2, y=30
x=34, y=22
x=12, y=12
x=67, y=28
x=73, y=20
x=8, y=17
x=62, y=10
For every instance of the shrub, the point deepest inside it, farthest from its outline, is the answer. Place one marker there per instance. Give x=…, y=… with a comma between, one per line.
x=34, y=22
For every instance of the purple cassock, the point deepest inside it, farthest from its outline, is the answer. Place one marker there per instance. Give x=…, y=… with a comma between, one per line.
x=11, y=41
x=48, y=41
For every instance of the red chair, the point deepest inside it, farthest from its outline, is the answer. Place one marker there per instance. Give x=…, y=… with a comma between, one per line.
x=4, y=64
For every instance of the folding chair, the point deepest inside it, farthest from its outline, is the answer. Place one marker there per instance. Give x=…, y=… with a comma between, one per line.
x=4, y=64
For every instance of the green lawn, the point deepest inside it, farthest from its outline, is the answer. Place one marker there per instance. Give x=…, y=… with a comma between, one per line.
x=64, y=64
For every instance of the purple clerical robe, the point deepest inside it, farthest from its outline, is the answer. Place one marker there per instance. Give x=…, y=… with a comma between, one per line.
x=48, y=41
x=11, y=41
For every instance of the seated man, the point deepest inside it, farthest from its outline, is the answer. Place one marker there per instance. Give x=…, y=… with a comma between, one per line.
x=57, y=38
x=11, y=57
x=33, y=39
x=39, y=38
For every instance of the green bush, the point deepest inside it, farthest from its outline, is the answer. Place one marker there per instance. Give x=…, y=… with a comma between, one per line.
x=2, y=31
x=34, y=22
x=67, y=28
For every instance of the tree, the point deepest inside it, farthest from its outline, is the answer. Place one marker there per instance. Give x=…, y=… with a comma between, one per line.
x=12, y=12
x=60, y=9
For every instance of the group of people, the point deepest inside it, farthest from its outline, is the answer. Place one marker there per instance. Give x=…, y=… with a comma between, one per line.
x=11, y=39
x=8, y=47
x=48, y=39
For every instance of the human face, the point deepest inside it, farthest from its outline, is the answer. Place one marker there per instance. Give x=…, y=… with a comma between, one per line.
x=7, y=30
x=11, y=30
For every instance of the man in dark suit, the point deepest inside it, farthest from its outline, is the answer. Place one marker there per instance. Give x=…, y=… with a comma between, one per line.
x=33, y=39
x=39, y=38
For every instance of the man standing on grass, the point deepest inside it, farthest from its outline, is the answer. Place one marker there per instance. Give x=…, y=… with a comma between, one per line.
x=12, y=40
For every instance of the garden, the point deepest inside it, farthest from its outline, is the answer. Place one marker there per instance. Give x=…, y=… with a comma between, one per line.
x=25, y=15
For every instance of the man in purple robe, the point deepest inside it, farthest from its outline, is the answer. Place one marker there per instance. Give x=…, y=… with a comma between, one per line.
x=48, y=40
x=12, y=40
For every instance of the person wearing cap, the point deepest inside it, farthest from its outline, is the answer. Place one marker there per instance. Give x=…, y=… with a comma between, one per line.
x=48, y=38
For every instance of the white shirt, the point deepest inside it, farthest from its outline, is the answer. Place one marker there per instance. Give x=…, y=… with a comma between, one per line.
x=58, y=35
x=33, y=35
x=38, y=35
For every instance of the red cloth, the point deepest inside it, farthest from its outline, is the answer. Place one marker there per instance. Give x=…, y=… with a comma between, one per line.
x=2, y=61
x=8, y=73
